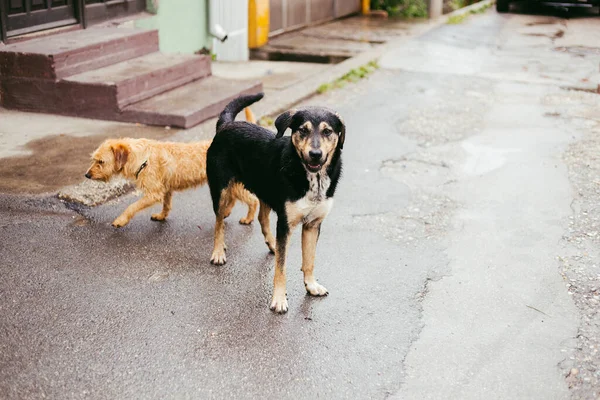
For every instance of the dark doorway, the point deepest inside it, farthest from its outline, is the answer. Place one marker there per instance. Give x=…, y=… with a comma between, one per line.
x=102, y=10
x=25, y=16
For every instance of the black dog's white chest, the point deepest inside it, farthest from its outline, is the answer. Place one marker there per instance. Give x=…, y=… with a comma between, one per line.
x=315, y=205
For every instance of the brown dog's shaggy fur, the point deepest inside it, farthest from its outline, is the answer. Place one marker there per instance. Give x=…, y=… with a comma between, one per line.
x=159, y=169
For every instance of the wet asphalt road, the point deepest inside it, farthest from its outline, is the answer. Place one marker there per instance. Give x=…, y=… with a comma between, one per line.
x=140, y=313
x=88, y=311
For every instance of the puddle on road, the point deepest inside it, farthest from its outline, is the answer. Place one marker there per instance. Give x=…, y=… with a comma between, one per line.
x=483, y=159
x=552, y=35
x=61, y=160
x=80, y=220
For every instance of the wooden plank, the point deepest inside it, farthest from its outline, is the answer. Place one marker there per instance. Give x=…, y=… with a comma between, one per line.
x=2, y=21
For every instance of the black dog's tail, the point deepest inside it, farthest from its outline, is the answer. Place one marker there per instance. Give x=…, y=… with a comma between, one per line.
x=236, y=106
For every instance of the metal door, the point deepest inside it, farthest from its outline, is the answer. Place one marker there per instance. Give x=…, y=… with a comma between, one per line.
x=25, y=16
x=346, y=7
x=285, y=15
x=321, y=10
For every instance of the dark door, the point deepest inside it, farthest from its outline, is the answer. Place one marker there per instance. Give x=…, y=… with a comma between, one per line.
x=101, y=10
x=25, y=16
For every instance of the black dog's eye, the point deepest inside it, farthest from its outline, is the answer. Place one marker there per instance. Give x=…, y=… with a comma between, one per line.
x=327, y=132
x=304, y=130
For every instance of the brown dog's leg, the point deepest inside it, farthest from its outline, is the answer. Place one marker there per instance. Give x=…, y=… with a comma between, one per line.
x=252, y=203
x=218, y=256
x=279, y=301
x=227, y=212
x=265, y=226
x=133, y=209
x=310, y=235
x=239, y=192
x=166, y=208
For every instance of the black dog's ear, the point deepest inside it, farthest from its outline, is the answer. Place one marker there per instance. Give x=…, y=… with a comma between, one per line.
x=283, y=122
x=342, y=130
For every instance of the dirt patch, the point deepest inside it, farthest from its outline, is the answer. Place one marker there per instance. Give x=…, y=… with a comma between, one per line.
x=580, y=51
x=60, y=160
x=427, y=217
x=441, y=123
x=580, y=89
x=578, y=252
x=579, y=265
x=555, y=35
x=543, y=22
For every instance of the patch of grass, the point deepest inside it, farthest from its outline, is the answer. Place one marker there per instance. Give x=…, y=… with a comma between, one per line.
x=457, y=19
x=480, y=10
x=207, y=52
x=324, y=88
x=352, y=76
x=458, y=4
x=401, y=8
x=266, y=121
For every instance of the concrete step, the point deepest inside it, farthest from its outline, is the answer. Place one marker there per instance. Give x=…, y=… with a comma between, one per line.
x=189, y=105
x=183, y=107
x=110, y=88
x=143, y=77
x=70, y=53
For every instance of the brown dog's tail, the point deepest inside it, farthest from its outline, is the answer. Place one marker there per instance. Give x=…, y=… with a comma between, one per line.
x=250, y=115
x=235, y=107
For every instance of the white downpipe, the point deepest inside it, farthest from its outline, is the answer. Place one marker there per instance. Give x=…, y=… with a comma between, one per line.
x=228, y=25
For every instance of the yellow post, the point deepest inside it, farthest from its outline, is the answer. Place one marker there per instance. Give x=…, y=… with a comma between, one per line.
x=366, y=6
x=258, y=23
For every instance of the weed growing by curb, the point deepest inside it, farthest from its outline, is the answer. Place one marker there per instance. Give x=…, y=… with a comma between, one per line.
x=480, y=10
x=354, y=75
x=401, y=8
x=266, y=121
x=457, y=19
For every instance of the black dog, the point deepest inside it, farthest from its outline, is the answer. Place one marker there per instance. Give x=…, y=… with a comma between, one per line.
x=294, y=176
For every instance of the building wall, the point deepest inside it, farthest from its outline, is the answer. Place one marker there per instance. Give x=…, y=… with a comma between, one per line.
x=182, y=25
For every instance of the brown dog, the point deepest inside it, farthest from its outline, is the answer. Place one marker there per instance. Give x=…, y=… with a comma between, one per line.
x=159, y=169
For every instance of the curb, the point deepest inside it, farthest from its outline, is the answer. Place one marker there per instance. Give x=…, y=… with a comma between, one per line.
x=92, y=195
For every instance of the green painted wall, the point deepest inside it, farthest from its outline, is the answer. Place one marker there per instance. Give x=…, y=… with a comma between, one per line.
x=182, y=25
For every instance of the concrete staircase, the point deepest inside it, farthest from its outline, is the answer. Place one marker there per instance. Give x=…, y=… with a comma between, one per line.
x=114, y=74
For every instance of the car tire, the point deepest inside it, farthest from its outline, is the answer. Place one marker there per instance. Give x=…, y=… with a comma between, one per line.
x=502, y=6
